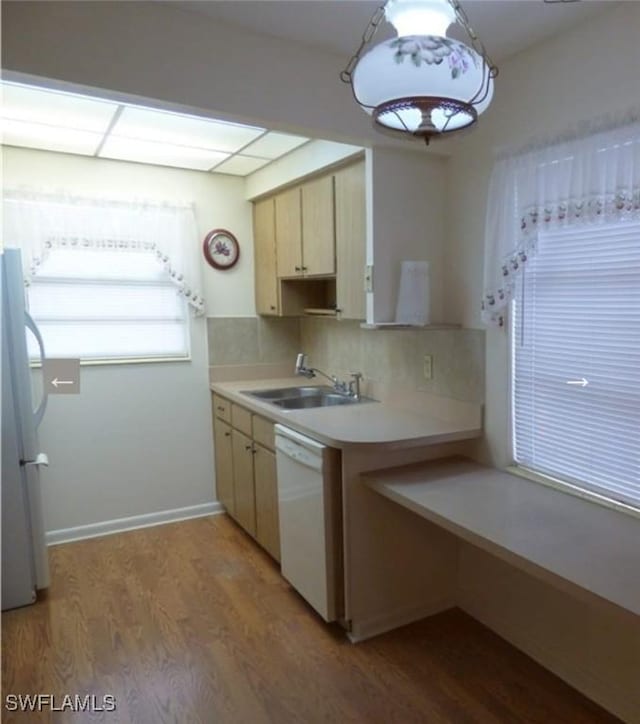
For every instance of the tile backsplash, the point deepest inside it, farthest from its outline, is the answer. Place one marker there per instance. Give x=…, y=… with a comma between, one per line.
x=392, y=357
x=252, y=340
x=396, y=356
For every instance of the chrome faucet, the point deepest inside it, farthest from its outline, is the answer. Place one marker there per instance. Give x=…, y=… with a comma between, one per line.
x=350, y=389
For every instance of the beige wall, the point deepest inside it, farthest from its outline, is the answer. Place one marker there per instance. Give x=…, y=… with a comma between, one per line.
x=137, y=440
x=308, y=159
x=406, y=222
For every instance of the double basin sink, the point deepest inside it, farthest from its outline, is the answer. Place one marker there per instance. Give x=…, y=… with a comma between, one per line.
x=300, y=398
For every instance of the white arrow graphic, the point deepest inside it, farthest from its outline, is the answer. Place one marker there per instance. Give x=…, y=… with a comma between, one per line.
x=582, y=382
x=56, y=382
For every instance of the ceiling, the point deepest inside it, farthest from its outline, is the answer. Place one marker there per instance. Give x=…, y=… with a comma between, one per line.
x=504, y=26
x=71, y=123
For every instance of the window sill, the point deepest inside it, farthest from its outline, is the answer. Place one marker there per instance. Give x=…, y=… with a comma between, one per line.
x=571, y=489
x=123, y=361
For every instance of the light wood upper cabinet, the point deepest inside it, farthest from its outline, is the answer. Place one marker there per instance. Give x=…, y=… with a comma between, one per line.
x=224, y=465
x=288, y=229
x=264, y=234
x=350, y=211
x=318, y=228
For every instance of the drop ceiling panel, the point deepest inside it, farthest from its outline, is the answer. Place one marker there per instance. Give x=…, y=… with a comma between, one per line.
x=49, y=138
x=164, y=127
x=24, y=103
x=272, y=145
x=160, y=154
x=241, y=165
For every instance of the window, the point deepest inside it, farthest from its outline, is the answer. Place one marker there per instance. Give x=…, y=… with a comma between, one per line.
x=107, y=305
x=576, y=359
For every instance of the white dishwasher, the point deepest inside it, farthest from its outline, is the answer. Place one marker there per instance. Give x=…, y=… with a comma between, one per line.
x=309, y=507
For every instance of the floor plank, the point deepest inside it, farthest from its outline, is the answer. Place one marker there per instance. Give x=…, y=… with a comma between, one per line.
x=192, y=622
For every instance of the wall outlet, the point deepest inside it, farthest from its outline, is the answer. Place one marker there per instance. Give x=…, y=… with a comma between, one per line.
x=427, y=366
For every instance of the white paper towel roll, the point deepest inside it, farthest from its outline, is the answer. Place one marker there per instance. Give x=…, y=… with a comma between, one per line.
x=413, y=294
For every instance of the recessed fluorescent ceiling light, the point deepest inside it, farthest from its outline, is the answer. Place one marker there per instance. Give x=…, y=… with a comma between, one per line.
x=165, y=127
x=162, y=154
x=49, y=138
x=274, y=144
x=23, y=103
x=241, y=165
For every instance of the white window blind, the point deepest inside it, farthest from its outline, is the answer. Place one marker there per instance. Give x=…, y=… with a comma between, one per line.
x=107, y=304
x=577, y=321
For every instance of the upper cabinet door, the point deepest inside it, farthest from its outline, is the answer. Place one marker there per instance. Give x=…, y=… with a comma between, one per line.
x=264, y=235
x=318, y=228
x=350, y=241
x=289, y=233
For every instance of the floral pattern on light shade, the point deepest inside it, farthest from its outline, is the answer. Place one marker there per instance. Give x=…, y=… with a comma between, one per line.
x=432, y=50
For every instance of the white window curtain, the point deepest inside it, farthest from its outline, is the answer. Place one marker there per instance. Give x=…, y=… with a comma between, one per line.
x=37, y=223
x=589, y=180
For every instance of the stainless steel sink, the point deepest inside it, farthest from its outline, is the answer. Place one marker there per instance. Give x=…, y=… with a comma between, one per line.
x=287, y=392
x=324, y=400
x=300, y=398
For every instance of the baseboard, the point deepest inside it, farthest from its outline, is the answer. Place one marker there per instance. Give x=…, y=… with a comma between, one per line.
x=377, y=625
x=118, y=525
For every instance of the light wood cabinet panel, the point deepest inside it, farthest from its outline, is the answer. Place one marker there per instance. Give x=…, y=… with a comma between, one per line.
x=267, y=523
x=222, y=408
x=263, y=432
x=289, y=233
x=266, y=275
x=224, y=465
x=241, y=419
x=350, y=208
x=244, y=493
x=318, y=227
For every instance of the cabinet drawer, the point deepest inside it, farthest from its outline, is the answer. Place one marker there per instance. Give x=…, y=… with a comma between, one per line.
x=241, y=419
x=222, y=408
x=263, y=432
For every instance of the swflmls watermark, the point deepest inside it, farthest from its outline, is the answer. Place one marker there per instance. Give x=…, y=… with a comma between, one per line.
x=68, y=702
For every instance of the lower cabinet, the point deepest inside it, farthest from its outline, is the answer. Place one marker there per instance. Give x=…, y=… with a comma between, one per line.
x=243, y=488
x=266, y=486
x=224, y=464
x=246, y=478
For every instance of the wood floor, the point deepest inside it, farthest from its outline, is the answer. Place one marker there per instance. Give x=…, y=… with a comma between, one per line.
x=191, y=622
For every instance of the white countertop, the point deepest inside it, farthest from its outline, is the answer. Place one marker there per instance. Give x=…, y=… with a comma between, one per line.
x=532, y=526
x=342, y=426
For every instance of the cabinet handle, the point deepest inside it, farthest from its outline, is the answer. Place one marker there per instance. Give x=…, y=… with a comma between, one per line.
x=272, y=307
x=227, y=434
x=338, y=310
x=304, y=268
x=298, y=268
x=221, y=408
x=247, y=447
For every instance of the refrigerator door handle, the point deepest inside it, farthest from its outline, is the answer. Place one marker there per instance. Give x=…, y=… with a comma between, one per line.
x=40, y=410
x=41, y=459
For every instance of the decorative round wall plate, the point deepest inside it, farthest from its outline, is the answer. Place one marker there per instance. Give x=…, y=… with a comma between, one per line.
x=221, y=249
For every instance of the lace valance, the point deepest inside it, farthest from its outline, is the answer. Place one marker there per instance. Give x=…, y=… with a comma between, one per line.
x=593, y=180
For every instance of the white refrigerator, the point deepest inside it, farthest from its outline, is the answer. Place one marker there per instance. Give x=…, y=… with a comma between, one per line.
x=25, y=567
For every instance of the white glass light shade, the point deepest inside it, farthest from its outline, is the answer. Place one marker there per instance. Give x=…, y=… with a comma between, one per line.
x=420, y=17
x=423, y=84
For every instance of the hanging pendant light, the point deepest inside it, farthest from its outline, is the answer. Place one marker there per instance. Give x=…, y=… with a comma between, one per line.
x=421, y=82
